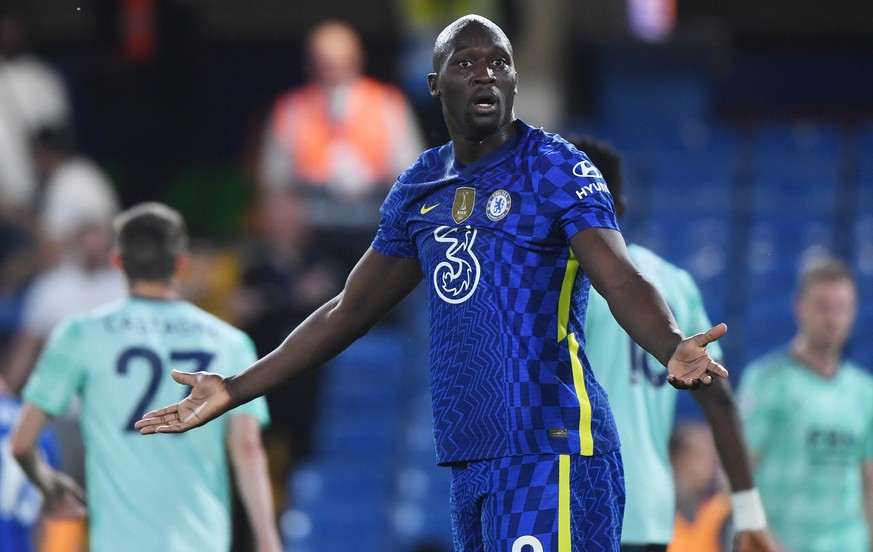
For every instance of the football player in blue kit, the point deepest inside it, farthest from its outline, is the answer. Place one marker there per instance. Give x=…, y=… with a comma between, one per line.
x=507, y=225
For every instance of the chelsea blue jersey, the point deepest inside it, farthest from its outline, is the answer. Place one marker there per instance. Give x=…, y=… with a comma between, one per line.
x=506, y=295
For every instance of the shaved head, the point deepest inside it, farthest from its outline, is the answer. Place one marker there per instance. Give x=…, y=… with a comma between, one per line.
x=444, y=44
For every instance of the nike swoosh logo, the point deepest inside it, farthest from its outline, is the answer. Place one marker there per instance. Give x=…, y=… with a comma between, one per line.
x=425, y=210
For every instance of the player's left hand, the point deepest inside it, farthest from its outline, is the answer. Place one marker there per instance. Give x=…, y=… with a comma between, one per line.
x=755, y=541
x=209, y=399
x=690, y=366
x=64, y=498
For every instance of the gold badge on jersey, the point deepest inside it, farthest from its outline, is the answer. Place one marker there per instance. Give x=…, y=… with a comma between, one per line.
x=462, y=208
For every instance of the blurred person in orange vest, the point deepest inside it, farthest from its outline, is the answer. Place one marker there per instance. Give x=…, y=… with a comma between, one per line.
x=340, y=139
x=703, y=507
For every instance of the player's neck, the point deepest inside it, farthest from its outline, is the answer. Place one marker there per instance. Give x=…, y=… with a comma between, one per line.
x=468, y=150
x=153, y=290
x=824, y=362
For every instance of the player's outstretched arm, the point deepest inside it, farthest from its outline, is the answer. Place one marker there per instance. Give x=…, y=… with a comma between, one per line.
x=208, y=400
x=641, y=310
x=63, y=497
x=375, y=286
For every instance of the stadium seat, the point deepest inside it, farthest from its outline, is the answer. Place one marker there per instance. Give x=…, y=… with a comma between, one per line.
x=341, y=494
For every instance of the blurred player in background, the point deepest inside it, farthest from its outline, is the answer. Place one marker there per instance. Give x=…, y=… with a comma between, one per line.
x=808, y=414
x=156, y=495
x=644, y=405
x=507, y=226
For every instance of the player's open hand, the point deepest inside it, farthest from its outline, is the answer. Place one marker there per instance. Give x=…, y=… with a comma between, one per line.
x=755, y=541
x=64, y=498
x=208, y=400
x=690, y=366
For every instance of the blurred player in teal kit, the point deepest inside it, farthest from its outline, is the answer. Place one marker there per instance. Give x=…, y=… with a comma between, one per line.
x=644, y=406
x=148, y=495
x=506, y=225
x=808, y=413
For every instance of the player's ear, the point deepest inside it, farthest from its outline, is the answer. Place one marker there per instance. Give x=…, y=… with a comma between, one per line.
x=182, y=263
x=115, y=260
x=432, y=84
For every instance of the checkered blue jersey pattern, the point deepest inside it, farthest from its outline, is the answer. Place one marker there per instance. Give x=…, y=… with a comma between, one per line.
x=507, y=298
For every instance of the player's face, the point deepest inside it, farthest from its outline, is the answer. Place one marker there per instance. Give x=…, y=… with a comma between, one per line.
x=826, y=313
x=476, y=83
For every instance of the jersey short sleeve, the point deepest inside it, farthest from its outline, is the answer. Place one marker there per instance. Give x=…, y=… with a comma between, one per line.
x=392, y=237
x=409, y=198
x=571, y=182
x=58, y=376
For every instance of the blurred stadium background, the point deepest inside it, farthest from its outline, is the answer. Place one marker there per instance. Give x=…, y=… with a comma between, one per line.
x=747, y=129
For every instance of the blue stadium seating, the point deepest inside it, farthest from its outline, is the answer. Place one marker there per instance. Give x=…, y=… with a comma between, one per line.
x=862, y=246
x=340, y=496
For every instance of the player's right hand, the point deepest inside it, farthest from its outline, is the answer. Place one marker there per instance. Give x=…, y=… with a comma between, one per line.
x=208, y=400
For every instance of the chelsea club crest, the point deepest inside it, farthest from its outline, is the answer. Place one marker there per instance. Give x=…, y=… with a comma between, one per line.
x=498, y=205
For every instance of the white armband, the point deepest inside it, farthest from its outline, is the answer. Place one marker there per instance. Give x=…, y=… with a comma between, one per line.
x=748, y=511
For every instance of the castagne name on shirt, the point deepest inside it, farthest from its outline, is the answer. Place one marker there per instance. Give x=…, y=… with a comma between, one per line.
x=156, y=325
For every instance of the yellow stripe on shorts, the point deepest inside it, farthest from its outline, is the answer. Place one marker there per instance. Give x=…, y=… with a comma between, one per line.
x=564, y=541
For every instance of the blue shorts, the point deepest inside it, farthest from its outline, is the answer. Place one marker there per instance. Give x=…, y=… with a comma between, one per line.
x=539, y=503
